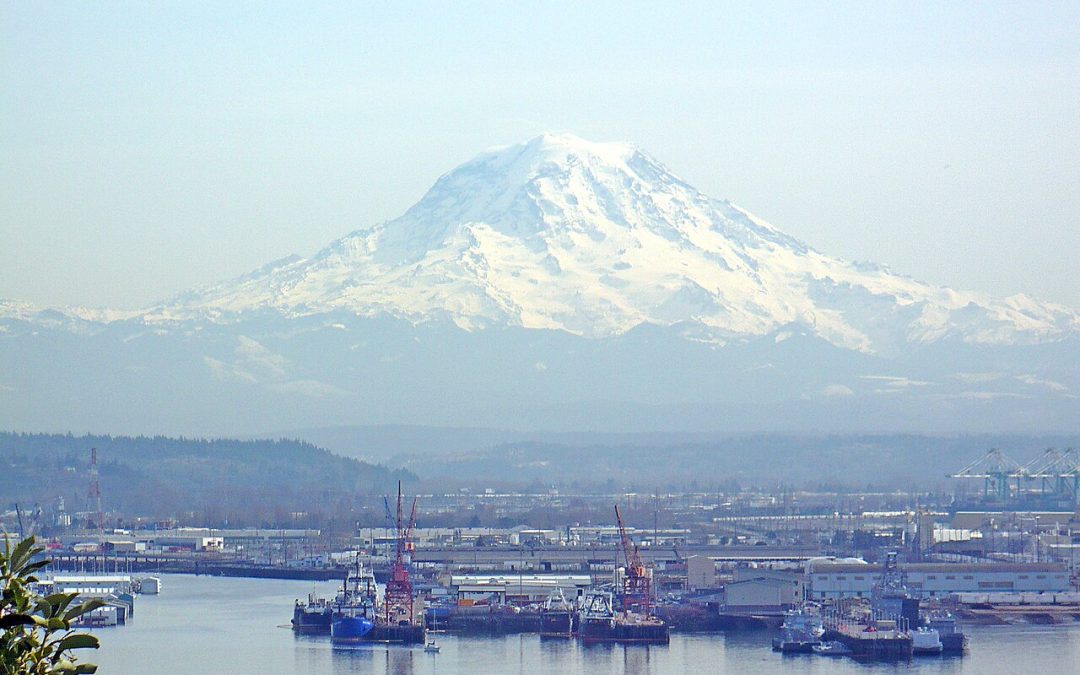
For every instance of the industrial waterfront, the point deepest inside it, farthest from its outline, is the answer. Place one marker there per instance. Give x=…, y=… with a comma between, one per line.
x=877, y=577
x=215, y=624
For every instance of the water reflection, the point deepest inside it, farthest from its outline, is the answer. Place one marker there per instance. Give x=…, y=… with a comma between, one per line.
x=636, y=659
x=400, y=660
x=244, y=635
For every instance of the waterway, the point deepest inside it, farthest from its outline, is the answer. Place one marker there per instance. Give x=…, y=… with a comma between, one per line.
x=229, y=625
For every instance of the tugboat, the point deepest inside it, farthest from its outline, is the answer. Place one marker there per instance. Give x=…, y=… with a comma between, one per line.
x=356, y=606
x=953, y=641
x=557, y=616
x=801, y=632
x=312, y=616
x=925, y=641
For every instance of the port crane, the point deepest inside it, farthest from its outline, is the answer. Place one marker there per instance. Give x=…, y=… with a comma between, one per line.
x=398, y=606
x=636, y=584
x=1053, y=475
x=996, y=470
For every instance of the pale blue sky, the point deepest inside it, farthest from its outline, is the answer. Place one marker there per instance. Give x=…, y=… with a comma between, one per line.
x=149, y=147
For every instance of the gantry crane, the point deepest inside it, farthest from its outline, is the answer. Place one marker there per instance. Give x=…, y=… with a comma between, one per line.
x=995, y=468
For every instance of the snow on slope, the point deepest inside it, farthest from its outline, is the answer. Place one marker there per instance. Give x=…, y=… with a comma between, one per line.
x=597, y=238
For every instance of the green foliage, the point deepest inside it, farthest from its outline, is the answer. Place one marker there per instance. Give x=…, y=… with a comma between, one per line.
x=37, y=636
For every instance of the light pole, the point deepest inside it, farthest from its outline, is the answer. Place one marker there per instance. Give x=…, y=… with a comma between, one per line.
x=1038, y=557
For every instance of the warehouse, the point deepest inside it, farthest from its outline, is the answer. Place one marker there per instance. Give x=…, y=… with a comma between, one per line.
x=515, y=589
x=925, y=580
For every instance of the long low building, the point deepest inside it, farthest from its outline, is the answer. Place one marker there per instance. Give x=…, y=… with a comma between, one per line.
x=927, y=580
x=517, y=589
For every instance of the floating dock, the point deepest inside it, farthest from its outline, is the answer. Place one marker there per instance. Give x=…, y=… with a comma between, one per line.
x=866, y=642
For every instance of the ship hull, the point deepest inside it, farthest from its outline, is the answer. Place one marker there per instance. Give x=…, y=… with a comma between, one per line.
x=556, y=624
x=356, y=630
x=304, y=621
x=953, y=643
x=873, y=646
x=350, y=629
x=607, y=631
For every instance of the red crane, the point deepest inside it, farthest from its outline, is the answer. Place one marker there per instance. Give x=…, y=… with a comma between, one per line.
x=398, y=606
x=636, y=584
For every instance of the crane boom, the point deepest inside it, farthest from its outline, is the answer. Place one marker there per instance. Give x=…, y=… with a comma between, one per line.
x=630, y=552
x=636, y=583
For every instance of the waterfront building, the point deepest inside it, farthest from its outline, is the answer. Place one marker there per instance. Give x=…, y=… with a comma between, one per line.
x=516, y=589
x=926, y=580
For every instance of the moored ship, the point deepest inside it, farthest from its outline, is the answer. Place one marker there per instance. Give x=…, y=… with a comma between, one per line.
x=395, y=619
x=557, y=616
x=925, y=641
x=356, y=607
x=953, y=641
x=599, y=622
x=312, y=616
x=801, y=631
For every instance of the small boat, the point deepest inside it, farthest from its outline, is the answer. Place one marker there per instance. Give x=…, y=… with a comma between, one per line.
x=926, y=641
x=802, y=630
x=952, y=640
x=831, y=648
x=431, y=647
x=312, y=616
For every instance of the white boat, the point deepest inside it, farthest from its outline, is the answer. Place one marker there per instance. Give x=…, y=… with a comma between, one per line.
x=431, y=647
x=802, y=630
x=925, y=641
x=831, y=648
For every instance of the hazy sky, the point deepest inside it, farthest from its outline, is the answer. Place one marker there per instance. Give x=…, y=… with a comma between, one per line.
x=149, y=147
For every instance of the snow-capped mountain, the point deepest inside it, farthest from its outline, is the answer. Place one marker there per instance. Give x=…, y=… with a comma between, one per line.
x=597, y=238
x=555, y=284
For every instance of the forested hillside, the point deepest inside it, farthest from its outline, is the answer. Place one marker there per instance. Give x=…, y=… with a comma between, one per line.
x=198, y=481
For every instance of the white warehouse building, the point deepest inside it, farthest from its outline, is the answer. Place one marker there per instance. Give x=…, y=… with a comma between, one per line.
x=926, y=580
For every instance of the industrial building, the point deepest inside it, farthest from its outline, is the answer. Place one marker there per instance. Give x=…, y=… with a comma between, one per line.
x=926, y=580
x=516, y=589
x=761, y=595
x=701, y=573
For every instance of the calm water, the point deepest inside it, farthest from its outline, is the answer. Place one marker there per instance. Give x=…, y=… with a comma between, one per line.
x=219, y=625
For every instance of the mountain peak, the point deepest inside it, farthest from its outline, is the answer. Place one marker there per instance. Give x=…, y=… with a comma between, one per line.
x=562, y=233
x=556, y=145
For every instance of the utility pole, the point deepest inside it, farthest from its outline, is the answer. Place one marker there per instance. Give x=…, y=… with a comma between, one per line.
x=93, y=498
